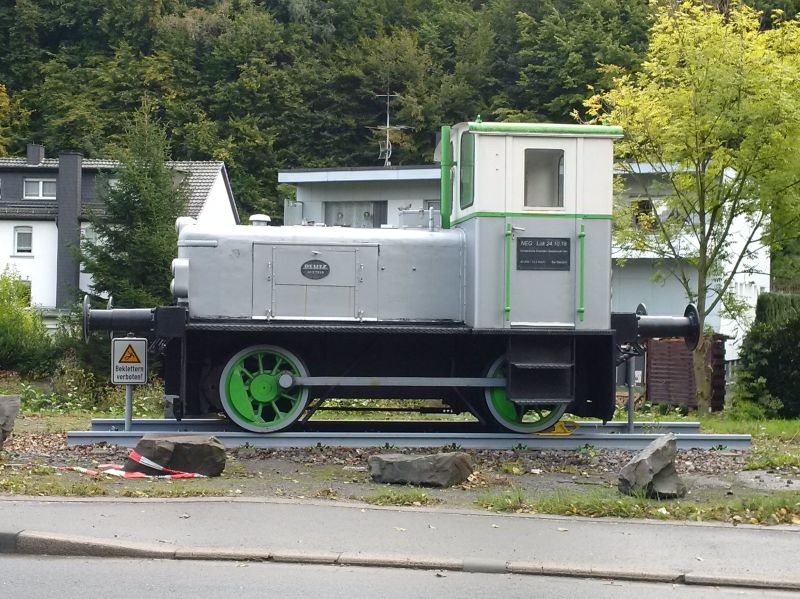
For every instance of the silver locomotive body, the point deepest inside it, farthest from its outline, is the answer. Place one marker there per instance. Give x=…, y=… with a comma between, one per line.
x=304, y=273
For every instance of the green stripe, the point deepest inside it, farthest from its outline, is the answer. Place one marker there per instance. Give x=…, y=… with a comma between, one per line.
x=509, y=235
x=581, y=304
x=531, y=215
x=445, y=189
x=547, y=128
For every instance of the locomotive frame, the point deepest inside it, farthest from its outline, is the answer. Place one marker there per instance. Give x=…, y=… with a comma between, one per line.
x=503, y=311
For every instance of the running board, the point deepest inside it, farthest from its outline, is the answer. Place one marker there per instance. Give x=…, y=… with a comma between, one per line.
x=287, y=381
x=541, y=401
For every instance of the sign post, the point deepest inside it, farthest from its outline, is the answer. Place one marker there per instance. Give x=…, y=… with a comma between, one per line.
x=129, y=368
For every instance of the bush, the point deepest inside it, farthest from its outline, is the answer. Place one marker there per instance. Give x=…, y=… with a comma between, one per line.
x=768, y=377
x=25, y=345
x=776, y=307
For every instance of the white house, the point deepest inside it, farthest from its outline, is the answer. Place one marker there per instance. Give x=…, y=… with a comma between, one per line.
x=642, y=277
x=44, y=203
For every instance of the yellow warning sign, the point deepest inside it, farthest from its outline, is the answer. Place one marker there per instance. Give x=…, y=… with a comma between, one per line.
x=129, y=356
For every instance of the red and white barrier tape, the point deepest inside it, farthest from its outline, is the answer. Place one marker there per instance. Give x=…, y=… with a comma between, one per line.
x=116, y=469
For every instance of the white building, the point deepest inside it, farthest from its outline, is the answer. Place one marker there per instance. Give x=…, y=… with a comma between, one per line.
x=44, y=203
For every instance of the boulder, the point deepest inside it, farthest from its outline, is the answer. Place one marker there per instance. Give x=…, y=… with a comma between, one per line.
x=187, y=453
x=666, y=484
x=9, y=409
x=437, y=470
x=643, y=474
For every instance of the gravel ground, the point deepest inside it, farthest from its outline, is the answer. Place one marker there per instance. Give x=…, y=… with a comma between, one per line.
x=341, y=473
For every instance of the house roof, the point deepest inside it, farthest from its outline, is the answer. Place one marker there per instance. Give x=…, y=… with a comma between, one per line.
x=202, y=174
x=367, y=173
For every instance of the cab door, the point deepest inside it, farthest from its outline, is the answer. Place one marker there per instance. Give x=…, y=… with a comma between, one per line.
x=542, y=240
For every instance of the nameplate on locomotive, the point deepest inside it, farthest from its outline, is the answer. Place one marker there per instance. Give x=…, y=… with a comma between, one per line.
x=315, y=269
x=543, y=253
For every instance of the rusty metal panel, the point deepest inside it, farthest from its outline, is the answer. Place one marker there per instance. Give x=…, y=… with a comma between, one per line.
x=670, y=375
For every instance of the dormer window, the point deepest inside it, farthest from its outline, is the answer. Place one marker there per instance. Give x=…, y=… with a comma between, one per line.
x=40, y=189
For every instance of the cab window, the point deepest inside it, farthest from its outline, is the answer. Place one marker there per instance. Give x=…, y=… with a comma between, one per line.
x=466, y=190
x=544, y=178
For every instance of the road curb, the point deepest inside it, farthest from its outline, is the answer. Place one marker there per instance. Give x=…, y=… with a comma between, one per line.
x=29, y=542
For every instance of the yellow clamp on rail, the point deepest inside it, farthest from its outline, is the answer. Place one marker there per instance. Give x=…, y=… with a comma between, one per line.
x=560, y=429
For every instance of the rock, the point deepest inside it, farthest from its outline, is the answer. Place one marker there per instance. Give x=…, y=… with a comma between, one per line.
x=666, y=484
x=437, y=470
x=9, y=409
x=641, y=473
x=187, y=453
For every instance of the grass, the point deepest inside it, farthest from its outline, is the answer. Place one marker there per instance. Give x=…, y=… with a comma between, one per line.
x=413, y=497
x=779, y=508
x=510, y=501
x=46, y=481
x=779, y=430
x=51, y=422
x=514, y=468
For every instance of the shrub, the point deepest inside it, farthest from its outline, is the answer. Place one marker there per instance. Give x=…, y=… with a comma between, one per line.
x=25, y=345
x=777, y=307
x=768, y=377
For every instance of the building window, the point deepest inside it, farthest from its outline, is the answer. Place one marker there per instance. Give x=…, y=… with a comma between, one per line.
x=23, y=240
x=467, y=163
x=643, y=215
x=40, y=189
x=544, y=178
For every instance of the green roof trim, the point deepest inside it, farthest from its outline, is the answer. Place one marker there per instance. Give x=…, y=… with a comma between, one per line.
x=532, y=215
x=547, y=129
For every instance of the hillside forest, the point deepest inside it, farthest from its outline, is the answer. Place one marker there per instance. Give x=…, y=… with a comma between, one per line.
x=273, y=84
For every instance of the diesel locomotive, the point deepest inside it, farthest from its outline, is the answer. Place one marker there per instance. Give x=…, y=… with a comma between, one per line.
x=498, y=304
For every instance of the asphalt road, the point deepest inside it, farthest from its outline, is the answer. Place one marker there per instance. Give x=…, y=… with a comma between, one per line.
x=26, y=577
x=766, y=553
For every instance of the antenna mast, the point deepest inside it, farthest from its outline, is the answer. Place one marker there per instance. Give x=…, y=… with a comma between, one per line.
x=386, y=145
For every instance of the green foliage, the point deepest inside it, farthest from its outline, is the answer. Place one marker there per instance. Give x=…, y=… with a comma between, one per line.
x=286, y=83
x=136, y=237
x=768, y=376
x=25, y=345
x=776, y=307
x=75, y=389
x=713, y=101
x=567, y=49
x=714, y=108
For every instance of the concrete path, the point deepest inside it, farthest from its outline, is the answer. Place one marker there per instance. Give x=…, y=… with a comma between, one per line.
x=346, y=534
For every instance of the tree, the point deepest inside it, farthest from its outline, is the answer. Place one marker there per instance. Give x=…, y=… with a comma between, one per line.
x=5, y=113
x=564, y=52
x=715, y=109
x=136, y=238
x=25, y=345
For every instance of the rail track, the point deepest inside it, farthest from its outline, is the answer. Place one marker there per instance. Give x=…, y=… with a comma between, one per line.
x=410, y=434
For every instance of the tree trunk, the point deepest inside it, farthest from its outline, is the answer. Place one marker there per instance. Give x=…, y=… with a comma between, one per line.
x=702, y=375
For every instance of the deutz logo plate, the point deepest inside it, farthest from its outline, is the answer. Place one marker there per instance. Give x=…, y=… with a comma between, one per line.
x=315, y=269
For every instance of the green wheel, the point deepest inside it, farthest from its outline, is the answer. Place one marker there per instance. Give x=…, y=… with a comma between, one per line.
x=250, y=393
x=519, y=419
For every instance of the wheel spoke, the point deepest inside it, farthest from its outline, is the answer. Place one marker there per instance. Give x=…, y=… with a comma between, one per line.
x=278, y=363
x=242, y=370
x=277, y=410
x=291, y=398
x=260, y=357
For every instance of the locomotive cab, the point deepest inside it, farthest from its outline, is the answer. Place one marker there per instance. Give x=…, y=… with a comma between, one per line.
x=535, y=201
